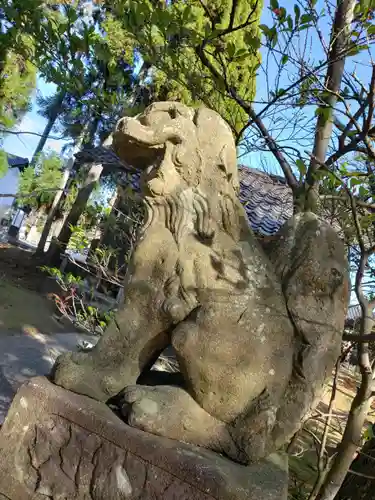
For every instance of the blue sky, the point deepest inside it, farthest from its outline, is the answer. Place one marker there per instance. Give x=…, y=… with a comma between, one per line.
x=24, y=144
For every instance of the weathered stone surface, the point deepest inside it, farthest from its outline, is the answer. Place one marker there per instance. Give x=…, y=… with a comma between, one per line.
x=59, y=445
x=255, y=335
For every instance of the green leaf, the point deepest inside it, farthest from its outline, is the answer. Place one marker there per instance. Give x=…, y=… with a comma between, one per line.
x=241, y=55
x=324, y=112
x=231, y=50
x=274, y=4
x=354, y=173
x=354, y=182
x=356, y=49
x=368, y=433
x=187, y=14
x=306, y=18
x=284, y=59
x=289, y=20
x=62, y=28
x=332, y=180
x=321, y=174
x=282, y=15
x=343, y=169
x=3, y=163
x=297, y=12
x=265, y=29
x=251, y=40
x=363, y=192
x=301, y=167
x=273, y=36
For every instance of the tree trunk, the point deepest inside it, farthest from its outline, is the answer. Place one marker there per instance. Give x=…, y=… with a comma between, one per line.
x=53, y=255
x=56, y=201
x=92, y=131
x=55, y=111
x=359, y=484
x=340, y=38
x=56, y=247
x=361, y=404
x=119, y=234
x=347, y=448
x=52, y=211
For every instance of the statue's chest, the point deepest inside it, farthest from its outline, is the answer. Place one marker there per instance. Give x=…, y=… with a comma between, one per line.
x=208, y=268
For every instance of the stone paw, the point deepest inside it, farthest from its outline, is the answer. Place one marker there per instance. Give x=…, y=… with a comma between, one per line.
x=147, y=408
x=75, y=372
x=171, y=412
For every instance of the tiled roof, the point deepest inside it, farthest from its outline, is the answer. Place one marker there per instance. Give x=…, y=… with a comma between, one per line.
x=17, y=161
x=103, y=155
x=267, y=199
x=355, y=312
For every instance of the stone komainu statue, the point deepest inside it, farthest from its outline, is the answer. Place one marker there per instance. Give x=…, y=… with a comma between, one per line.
x=255, y=335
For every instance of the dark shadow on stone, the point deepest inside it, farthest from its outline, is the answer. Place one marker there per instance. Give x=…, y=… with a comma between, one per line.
x=155, y=377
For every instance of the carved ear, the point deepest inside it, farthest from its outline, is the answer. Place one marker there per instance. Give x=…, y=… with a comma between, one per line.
x=216, y=140
x=226, y=163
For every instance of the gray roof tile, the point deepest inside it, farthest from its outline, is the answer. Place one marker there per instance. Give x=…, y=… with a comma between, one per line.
x=267, y=199
x=17, y=161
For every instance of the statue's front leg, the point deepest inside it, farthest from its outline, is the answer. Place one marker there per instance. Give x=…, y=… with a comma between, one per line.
x=135, y=339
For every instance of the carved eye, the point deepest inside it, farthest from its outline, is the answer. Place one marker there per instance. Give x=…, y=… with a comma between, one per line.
x=335, y=272
x=173, y=113
x=336, y=277
x=176, y=158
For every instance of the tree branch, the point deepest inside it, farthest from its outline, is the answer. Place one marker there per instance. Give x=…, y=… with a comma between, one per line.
x=13, y=132
x=358, y=338
x=247, y=107
x=283, y=162
x=359, y=203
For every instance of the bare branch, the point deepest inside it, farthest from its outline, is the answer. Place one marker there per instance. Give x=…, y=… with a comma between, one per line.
x=322, y=465
x=21, y=132
x=246, y=106
x=371, y=100
x=359, y=203
x=351, y=337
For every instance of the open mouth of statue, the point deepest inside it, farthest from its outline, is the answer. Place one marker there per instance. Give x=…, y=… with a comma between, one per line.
x=142, y=142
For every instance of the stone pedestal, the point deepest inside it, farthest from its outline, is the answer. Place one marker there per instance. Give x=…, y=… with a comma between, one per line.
x=58, y=445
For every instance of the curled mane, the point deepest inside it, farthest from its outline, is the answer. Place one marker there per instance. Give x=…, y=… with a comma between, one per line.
x=190, y=211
